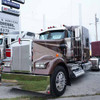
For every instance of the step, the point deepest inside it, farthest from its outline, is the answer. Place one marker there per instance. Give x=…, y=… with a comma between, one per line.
x=79, y=72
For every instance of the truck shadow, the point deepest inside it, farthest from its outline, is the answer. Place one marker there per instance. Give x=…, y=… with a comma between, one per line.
x=29, y=93
x=78, y=79
x=84, y=77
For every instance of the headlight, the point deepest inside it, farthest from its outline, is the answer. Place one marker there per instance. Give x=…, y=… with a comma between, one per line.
x=7, y=64
x=40, y=65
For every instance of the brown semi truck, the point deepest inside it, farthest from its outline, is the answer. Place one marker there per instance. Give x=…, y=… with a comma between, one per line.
x=60, y=54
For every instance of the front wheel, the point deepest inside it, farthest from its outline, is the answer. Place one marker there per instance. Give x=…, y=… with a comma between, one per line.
x=58, y=81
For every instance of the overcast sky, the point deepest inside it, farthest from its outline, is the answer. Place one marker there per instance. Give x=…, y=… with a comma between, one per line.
x=59, y=12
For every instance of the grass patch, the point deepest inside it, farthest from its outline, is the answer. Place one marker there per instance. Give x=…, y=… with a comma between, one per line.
x=23, y=77
x=34, y=85
x=29, y=82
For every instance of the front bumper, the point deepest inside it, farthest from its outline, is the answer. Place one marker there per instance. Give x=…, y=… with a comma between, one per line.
x=96, y=67
x=36, y=83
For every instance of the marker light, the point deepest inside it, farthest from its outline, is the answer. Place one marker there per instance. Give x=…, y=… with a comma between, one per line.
x=57, y=55
x=48, y=92
x=19, y=40
x=41, y=29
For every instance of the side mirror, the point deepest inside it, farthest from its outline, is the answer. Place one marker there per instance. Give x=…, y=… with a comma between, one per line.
x=77, y=34
x=63, y=48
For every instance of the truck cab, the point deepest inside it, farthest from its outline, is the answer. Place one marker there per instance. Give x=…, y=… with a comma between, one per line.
x=62, y=53
x=68, y=43
x=71, y=42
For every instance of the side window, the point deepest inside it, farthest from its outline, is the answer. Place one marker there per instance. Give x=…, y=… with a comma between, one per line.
x=12, y=40
x=87, y=42
x=68, y=34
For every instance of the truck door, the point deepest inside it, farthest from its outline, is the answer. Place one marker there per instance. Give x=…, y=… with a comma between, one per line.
x=68, y=44
x=77, y=44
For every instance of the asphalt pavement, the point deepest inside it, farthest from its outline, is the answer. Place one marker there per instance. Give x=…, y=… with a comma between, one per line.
x=11, y=90
x=80, y=98
x=86, y=87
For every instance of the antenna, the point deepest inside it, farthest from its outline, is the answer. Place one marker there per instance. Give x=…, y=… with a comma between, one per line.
x=80, y=14
x=44, y=22
x=96, y=20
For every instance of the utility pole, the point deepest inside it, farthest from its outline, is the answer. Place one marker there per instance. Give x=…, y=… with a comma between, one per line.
x=96, y=20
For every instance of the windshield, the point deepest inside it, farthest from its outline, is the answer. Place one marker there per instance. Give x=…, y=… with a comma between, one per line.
x=30, y=34
x=14, y=32
x=1, y=40
x=52, y=35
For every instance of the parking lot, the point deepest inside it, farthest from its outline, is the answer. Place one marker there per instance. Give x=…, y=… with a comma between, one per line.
x=86, y=87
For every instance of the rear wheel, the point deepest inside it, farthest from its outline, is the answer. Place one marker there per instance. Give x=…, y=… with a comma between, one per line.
x=58, y=81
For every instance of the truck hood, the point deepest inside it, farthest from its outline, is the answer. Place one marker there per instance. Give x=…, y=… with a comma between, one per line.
x=46, y=49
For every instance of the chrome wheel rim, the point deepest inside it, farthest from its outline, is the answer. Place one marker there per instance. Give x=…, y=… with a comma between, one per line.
x=60, y=81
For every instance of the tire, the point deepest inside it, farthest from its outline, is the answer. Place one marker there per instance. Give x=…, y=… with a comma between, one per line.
x=58, y=81
x=95, y=69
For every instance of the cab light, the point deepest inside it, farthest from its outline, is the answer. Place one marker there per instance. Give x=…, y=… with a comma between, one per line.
x=41, y=29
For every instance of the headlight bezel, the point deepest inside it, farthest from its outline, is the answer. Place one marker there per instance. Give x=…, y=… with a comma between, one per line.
x=40, y=65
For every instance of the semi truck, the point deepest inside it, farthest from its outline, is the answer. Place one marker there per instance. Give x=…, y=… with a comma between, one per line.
x=59, y=53
x=95, y=57
x=25, y=38
x=5, y=41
